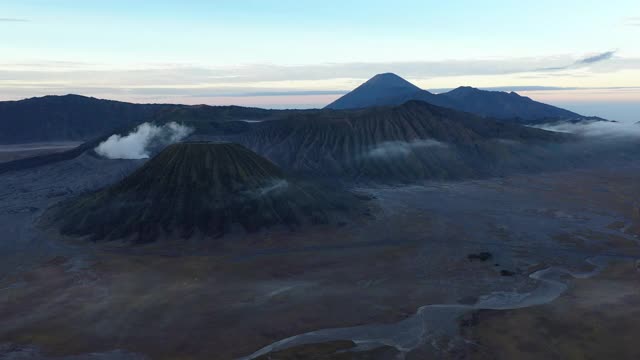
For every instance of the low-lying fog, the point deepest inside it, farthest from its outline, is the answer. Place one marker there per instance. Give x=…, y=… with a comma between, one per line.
x=603, y=129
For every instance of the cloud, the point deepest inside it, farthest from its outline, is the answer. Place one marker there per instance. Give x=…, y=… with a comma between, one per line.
x=582, y=62
x=139, y=143
x=597, y=129
x=274, y=187
x=13, y=20
x=262, y=76
x=596, y=58
x=261, y=84
x=632, y=21
x=390, y=149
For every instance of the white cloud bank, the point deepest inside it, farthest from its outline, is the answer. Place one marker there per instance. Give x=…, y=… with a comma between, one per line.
x=599, y=129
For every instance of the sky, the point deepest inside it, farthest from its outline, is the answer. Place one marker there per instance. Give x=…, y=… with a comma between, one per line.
x=581, y=55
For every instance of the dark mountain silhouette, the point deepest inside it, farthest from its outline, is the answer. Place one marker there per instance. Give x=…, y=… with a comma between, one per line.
x=412, y=141
x=504, y=105
x=217, y=120
x=494, y=104
x=409, y=142
x=69, y=117
x=193, y=189
x=74, y=117
x=204, y=119
x=207, y=113
x=380, y=90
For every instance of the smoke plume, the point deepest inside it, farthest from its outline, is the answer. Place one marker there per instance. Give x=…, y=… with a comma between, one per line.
x=139, y=143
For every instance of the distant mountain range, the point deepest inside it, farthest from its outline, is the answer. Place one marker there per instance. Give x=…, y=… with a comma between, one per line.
x=396, y=132
x=412, y=141
x=69, y=117
x=390, y=89
x=415, y=140
x=75, y=117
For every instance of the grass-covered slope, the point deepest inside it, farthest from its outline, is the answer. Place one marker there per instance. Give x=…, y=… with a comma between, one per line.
x=197, y=189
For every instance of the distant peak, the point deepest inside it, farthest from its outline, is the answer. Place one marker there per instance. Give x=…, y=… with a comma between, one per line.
x=386, y=75
x=67, y=96
x=390, y=80
x=374, y=91
x=465, y=89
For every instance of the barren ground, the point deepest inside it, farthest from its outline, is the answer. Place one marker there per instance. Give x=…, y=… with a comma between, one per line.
x=228, y=298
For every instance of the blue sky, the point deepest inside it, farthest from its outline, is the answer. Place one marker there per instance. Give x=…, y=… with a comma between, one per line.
x=305, y=53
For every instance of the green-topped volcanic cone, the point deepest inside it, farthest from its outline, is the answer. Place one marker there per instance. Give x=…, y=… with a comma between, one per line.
x=197, y=189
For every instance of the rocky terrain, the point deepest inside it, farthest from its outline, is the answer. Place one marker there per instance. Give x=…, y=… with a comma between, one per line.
x=407, y=142
x=367, y=276
x=410, y=230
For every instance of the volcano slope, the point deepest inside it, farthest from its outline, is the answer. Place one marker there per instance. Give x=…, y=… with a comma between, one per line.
x=203, y=119
x=390, y=89
x=409, y=142
x=199, y=188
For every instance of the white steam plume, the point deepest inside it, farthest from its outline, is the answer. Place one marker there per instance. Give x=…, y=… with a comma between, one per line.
x=139, y=143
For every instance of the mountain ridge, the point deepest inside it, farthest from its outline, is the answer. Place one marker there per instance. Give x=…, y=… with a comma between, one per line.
x=68, y=117
x=376, y=88
x=438, y=142
x=506, y=106
x=75, y=117
x=415, y=140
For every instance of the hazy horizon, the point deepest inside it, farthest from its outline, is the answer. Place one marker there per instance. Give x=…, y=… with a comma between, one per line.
x=285, y=54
